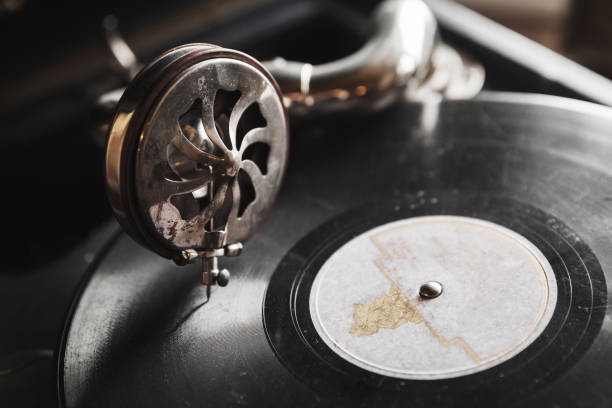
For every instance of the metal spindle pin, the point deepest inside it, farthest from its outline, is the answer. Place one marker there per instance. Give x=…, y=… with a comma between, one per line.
x=430, y=290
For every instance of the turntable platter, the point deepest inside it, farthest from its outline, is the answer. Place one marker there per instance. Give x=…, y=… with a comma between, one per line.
x=533, y=171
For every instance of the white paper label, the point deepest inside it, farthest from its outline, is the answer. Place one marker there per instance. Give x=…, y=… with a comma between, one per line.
x=499, y=293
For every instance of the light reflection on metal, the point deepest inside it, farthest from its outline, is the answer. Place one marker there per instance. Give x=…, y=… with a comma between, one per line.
x=122, y=53
x=397, y=57
x=453, y=76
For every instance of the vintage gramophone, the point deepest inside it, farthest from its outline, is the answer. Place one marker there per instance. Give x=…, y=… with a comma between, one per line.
x=199, y=140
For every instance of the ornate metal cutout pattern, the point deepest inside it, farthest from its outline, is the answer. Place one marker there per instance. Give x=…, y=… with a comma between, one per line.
x=211, y=160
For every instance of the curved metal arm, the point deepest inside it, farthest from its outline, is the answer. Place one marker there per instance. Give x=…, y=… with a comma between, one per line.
x=404, y=58
x=398, y=52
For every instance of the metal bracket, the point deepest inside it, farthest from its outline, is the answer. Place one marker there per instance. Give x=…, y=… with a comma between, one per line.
x=211, y=275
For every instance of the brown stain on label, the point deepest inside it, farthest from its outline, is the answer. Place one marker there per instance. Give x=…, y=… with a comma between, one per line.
x=389, y=311
x=394, y=310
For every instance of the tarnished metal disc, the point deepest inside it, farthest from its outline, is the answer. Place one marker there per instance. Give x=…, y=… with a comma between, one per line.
x=197, y=150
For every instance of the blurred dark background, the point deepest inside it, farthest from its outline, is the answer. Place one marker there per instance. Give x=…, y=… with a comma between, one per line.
x=578, y=29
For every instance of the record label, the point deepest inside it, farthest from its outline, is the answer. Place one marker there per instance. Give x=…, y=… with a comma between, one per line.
x=498, y=294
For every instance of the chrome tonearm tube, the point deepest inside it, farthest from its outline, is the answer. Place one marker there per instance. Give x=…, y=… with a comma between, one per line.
x=403, y=59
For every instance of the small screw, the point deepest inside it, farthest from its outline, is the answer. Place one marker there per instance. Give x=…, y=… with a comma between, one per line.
x=430, y=290
x=233, y=249
x=223, y=277
x=186, y=256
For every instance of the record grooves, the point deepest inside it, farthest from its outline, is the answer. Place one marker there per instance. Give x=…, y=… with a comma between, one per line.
x=538, y=166
x=574, y=325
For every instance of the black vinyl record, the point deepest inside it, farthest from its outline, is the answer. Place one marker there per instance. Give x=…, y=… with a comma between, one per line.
x=142, y=332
